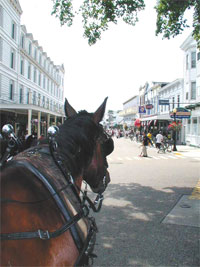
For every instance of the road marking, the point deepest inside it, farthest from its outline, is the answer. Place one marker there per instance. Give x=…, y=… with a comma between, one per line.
x=128, y=158
x=146, y=158
x=119, y=158
x=155, y=157
x=181, y=157
x=196, y=192
x=162, y=157
x=172, y=157
x=137, y=158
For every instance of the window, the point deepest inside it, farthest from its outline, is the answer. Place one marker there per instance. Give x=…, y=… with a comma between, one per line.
x=173, y=102
x=27, y=96
x=193, y=59
x=187, y=63
x=39, y=99
x=1, y=48
x=11, y=90
x=29, y=71
x=186, y=96
x=13, y=30
x=193, y=90
x=43, y=101
x=1, y=16
x=198, y=56
x=40, y=59
x=12, y=59
x=44, y=82
x=39, y=79
x=35, y=54
x=194, y=126
x=30, y=48
x=21, y=94
x=178, y=101
x=22, y=41
x=22, y=66
x=35, y=75
x=34, y=97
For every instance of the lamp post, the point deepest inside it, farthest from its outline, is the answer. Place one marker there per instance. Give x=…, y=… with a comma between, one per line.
x=174, y=131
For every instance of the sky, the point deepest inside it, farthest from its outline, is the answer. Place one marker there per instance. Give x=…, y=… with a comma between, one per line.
x=124, y=59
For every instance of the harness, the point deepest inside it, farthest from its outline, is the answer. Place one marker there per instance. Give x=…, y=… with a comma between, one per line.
x=75, y=209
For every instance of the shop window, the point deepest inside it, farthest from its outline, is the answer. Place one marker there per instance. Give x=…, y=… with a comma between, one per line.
x=188, y=126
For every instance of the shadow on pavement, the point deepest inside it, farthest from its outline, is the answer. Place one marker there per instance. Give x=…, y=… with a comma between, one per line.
x=131, y=232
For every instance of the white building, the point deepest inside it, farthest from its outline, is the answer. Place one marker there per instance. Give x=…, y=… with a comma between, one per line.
x=174, y=93
x=191, y=94
x=130, y=111
x=31, y=85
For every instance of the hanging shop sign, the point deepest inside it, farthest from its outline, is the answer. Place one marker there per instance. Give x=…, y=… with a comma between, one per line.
x=149, y=106
x=142, y=109
x=181, y=113
x=163, y=102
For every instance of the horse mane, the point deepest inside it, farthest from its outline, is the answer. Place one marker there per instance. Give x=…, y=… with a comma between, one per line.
x=76, y=141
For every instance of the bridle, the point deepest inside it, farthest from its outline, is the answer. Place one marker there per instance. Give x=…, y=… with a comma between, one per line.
x=86, y=203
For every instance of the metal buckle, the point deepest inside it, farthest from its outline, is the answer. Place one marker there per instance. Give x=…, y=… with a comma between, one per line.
x=44, y=235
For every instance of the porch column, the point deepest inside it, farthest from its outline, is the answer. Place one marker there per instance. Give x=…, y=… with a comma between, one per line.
x=39, y=123
x=48, y=120
x=55, y=120
x=29, y=121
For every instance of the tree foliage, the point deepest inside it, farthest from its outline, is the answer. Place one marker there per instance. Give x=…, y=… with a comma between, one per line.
x=98, y=14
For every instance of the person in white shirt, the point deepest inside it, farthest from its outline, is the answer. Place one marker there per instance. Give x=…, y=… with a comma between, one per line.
x=159, y=139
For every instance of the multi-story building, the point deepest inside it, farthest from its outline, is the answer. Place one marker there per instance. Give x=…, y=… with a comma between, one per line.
x=151, y=119
x=191, y=95
x=31, y=85
x=130, y=110
x=172, y=92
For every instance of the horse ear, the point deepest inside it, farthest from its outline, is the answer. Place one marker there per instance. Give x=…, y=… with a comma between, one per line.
x=99, y=113
x=69, y=111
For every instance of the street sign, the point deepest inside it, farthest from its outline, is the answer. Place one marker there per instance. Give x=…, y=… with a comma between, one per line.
x=142, y=109
x=163, y=102
x=149, y=106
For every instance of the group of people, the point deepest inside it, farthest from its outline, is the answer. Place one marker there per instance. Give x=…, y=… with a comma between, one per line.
x=147, y=140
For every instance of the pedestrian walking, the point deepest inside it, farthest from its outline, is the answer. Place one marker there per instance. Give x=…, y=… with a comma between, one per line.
x=159, y=139
x=145, y=143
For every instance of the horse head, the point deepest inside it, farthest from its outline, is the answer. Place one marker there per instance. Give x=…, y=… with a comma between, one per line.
x=95, y=149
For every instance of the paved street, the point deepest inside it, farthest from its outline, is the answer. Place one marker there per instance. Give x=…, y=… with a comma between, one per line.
x=150, y=215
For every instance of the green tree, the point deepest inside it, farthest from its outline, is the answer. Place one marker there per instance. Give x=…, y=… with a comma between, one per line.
x=98, y=14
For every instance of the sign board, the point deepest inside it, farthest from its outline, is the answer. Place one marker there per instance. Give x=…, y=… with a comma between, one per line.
x=142, y=109
x=149, y=106
x=181, y=114
x=163, y=102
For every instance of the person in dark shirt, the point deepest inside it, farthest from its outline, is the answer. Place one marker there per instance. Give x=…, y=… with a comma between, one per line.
x=145, y=142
